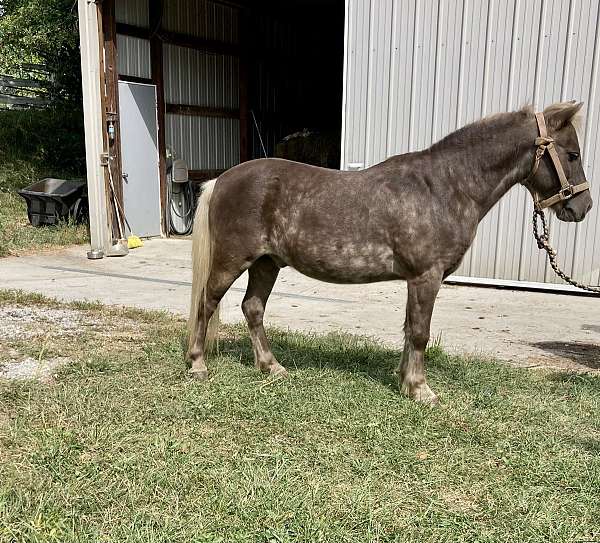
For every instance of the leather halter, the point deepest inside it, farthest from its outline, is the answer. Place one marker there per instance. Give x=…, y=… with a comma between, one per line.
x=545, y=143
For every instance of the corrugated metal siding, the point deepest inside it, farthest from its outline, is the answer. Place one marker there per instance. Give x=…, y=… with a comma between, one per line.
x=419, y=69
x=196, y=78
x=191, y=77
x=202, y=79
x=203, y=19
x=204, y=142
x=133, y=57
x=133, y=12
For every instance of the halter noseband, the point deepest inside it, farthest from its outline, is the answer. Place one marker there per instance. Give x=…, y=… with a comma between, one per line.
x=546, y=143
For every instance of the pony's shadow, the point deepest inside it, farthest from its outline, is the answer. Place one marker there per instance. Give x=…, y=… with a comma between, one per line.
x=586, y=354
x=336, y=351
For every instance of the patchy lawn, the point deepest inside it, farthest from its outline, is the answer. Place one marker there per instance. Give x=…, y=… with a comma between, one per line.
x=35, y=144
x=18, y=236
x=115, y=443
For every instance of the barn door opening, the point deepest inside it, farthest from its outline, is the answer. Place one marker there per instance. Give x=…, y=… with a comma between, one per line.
x=295, y=79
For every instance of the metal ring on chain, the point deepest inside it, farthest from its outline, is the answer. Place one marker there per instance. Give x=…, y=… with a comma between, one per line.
x=543, y=242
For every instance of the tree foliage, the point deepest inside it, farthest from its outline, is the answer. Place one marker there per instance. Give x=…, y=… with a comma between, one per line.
x=42, y=33
x=39, y=40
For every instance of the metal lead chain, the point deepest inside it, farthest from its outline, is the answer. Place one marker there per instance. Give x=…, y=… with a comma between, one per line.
x=543, y=242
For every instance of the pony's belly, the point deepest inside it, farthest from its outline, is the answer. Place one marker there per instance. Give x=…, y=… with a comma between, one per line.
x=343, y=277
x=343, y=265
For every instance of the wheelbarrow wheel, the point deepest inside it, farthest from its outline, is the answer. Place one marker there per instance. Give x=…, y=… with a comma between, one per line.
x=79, y=211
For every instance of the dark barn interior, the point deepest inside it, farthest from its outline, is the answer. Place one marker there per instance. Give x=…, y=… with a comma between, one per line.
x=295, y=70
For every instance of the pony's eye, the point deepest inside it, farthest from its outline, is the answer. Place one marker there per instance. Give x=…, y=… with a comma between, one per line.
x=573, y=155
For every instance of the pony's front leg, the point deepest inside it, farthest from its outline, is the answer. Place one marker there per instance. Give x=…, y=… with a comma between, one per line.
x=422, y=292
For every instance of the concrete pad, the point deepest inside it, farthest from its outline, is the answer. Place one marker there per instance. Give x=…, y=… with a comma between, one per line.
x=525, y=328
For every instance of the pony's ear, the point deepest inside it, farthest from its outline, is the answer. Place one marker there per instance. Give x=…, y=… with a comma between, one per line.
x=559, y=114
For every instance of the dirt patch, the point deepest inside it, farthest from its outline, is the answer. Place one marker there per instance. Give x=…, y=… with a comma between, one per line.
x=35, y=325
x=37, y=340
x=30, y=368
x=19, y=322
x=459, y=502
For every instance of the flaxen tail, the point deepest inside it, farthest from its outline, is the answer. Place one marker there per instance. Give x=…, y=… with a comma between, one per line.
x=202, y=243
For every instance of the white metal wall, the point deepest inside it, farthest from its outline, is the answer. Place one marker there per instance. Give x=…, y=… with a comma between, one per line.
x=133, y=12
x=416, y=70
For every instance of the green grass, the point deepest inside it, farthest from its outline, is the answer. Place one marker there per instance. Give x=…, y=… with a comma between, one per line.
x=17, y=236
x=124, y=447
x=35, y=144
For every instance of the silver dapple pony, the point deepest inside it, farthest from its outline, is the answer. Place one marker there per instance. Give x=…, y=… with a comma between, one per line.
x=412, y=217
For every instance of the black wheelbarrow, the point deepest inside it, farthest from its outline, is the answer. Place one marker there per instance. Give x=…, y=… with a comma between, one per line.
x=50, y=201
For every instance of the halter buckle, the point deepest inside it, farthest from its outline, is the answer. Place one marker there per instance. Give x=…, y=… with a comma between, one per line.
x=566, y=193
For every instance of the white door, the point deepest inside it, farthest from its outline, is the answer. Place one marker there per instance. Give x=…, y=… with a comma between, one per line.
x=139, y=152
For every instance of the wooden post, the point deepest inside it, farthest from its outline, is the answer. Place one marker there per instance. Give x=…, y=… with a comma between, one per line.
x=156, y=64
x=112, y=94
x=111, y=211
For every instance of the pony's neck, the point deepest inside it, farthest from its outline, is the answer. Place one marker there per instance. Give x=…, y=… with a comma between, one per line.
x=496, y=154
x=496, y=182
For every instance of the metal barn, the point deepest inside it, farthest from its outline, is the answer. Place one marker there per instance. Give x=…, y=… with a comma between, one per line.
x=203, y=78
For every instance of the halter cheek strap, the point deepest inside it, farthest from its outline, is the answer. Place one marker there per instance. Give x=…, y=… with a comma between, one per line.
x=545, y=143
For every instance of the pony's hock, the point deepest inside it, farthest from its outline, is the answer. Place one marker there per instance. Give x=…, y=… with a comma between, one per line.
x=412, y=217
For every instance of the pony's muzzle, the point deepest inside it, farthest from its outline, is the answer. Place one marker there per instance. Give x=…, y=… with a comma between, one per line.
x=576, y=207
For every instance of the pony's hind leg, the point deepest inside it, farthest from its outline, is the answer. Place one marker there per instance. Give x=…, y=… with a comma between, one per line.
x=261, y=278
x=422, y=292
x=218, y=284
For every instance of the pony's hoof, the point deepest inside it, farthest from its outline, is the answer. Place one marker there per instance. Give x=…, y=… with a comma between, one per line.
x=431, y=401
x=199, y=375
x=272, y=368
x=421, y=394
x=279, y=371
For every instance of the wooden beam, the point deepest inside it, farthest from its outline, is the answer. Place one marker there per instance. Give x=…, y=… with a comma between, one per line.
x=156, y=63
x=133, y=31
x=179, y=38
x=270, y=56
x=203, y=111
x=200, y=44
x=135, y=79
x=112, y=96
x=199, y=176
x=228, y=3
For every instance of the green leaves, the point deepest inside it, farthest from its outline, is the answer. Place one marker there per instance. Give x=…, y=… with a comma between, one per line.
x=45, y=33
